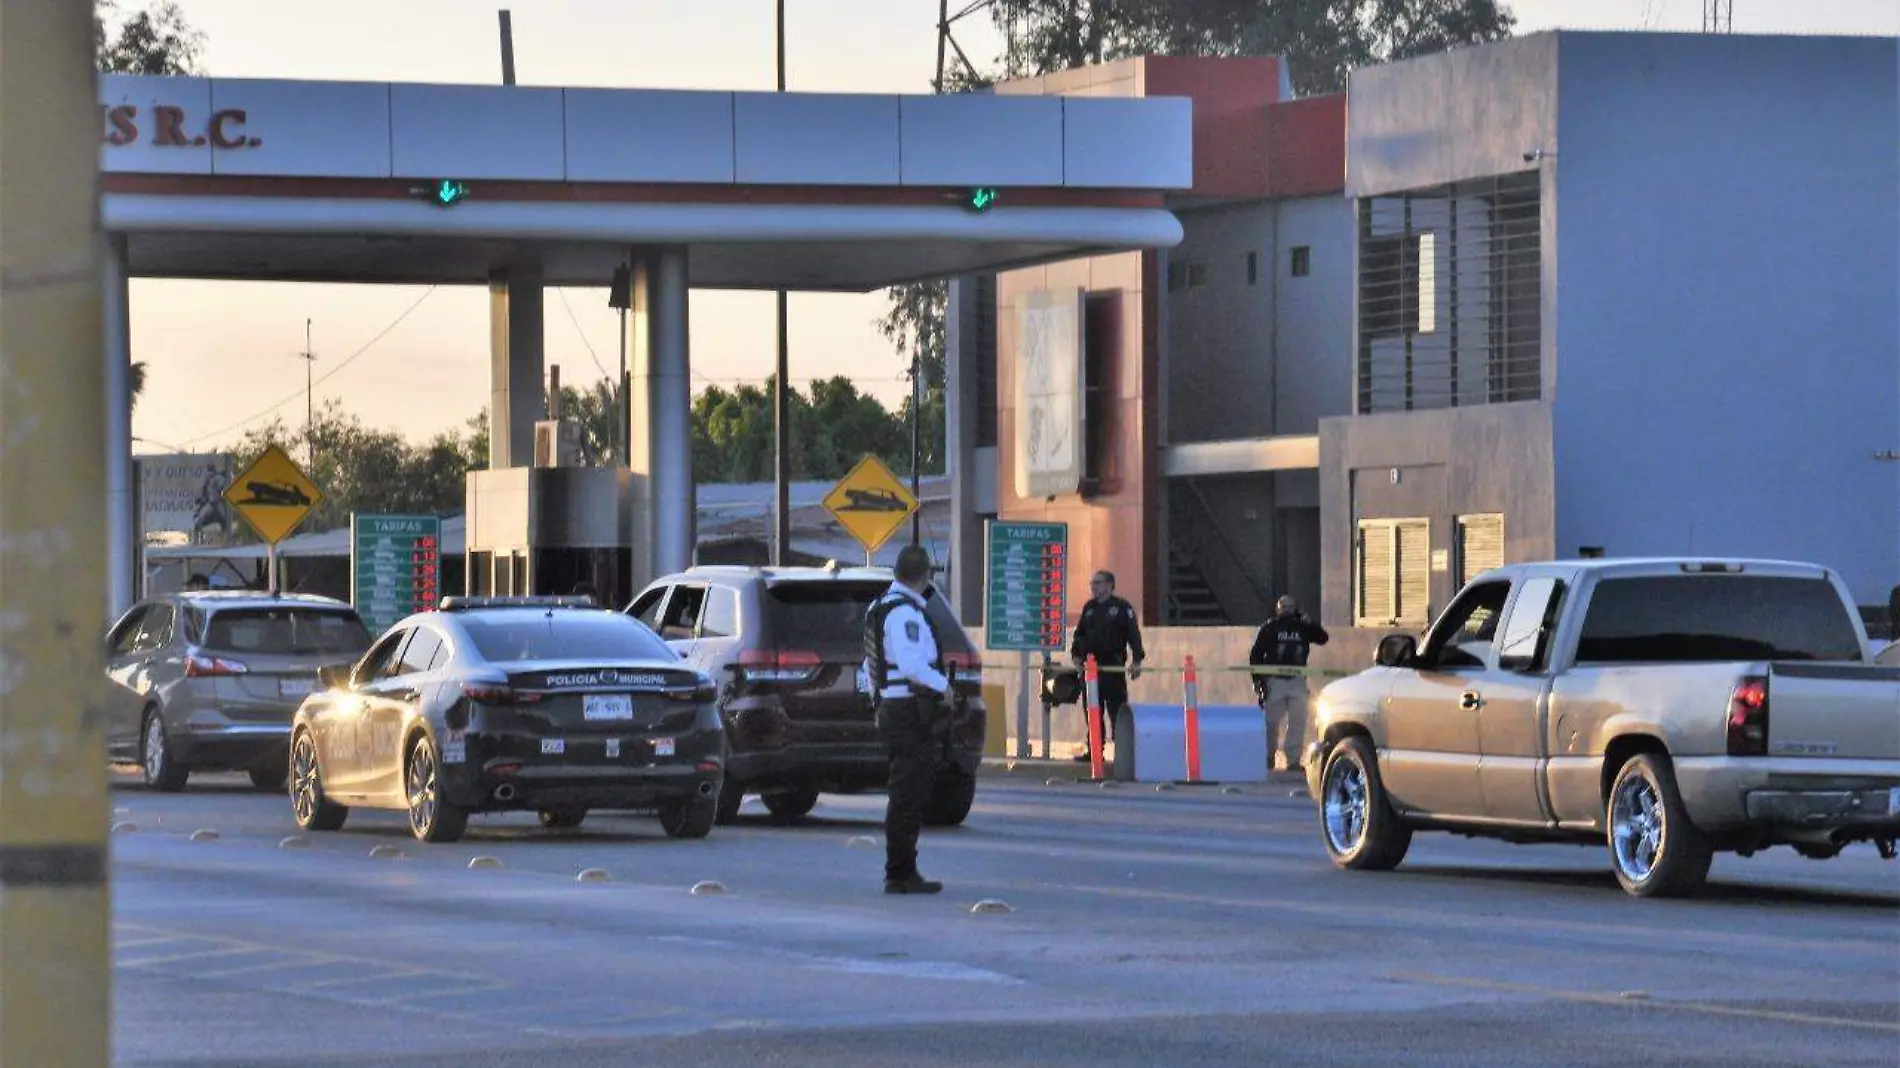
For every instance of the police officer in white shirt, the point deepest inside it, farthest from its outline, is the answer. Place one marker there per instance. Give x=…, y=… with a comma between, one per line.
x=903, y=674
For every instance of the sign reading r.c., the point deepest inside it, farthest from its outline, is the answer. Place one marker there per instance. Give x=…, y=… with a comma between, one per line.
x=120, y=126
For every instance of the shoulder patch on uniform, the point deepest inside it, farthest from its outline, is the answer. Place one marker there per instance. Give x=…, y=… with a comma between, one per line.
x=911, y=632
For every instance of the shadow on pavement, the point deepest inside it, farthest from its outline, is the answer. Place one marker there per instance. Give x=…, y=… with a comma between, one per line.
x=1715, y=891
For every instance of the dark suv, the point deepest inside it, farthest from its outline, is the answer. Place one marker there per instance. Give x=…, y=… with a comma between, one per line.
x=783, y=645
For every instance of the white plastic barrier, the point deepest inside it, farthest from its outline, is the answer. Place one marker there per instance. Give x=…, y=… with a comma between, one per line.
x=1151, y=744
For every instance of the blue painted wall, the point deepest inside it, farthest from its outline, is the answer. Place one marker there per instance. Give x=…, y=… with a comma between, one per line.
x=1728, y=299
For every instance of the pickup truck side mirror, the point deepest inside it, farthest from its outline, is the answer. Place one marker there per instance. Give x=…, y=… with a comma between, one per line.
x=1396, y=650
x=335, y=676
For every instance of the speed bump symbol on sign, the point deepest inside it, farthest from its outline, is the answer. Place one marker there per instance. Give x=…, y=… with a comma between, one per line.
x=870, y=503
x=273, y=495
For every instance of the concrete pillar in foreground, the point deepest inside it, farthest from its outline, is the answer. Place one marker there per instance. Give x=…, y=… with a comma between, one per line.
x=960, y=410
x=516, y=365
x=661, y=455
x=122, y=515
x=55, y=915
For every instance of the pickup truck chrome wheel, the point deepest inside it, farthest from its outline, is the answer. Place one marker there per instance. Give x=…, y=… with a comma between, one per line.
x=1636, y=827
x=1362, y=832
x=1345, y=807
x=1655, y=848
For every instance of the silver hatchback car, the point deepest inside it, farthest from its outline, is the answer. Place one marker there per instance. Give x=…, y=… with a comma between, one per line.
x=210, y=681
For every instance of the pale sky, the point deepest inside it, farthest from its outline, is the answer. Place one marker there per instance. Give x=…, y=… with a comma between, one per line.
x=430, y=373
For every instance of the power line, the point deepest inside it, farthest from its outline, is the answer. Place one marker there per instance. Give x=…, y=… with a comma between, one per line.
x=588, y=345
x=338, y=369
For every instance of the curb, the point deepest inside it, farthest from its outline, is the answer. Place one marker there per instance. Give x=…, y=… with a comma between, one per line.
x=1049, y=772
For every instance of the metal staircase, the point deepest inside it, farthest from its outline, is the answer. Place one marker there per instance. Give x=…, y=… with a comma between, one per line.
x=1191, y=599
x=1198, y=548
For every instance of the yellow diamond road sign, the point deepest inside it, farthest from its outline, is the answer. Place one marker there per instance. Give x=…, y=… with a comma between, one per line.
x=273, y=495
x=870, y=503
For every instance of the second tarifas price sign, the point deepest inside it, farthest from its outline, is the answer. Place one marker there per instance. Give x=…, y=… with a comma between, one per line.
x=1026, y=585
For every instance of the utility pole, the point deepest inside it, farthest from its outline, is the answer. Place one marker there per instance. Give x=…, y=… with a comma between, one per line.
x=620, y=298
x=507, y=47
x=781, y=395
x=309, y=358
x=916, y=437
x=55, y=910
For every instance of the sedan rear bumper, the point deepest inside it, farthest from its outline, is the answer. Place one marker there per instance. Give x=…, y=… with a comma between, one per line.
x=549, y=786
x=231, y=745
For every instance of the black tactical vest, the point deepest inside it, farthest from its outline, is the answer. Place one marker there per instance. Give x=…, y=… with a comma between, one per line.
x=882, y=672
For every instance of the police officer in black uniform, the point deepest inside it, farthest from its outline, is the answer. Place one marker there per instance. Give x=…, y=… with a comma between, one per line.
x=1109, y=632
x=1286, y=640
x=903, y=675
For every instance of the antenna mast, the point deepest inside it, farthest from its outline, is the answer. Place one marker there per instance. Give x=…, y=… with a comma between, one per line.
x=309, y=358
x=1718, y=16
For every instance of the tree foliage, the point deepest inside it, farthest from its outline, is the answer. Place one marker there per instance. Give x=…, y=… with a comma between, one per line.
x=364, y=469
x=833, y=426
x=1322, y=40
x=155, y=39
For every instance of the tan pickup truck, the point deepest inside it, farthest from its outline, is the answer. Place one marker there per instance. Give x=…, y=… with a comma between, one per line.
x=1668, y=708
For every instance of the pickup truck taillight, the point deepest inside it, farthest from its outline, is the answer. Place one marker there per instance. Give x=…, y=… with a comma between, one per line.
x=1748, y=717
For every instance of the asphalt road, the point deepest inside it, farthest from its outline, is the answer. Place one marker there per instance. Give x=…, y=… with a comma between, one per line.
x=1186, y=927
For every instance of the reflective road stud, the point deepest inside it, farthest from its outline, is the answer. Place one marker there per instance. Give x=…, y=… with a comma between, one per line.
x=55, y=921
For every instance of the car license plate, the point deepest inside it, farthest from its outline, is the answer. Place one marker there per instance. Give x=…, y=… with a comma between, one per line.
x=1893, y=801
x=606, y=706
x=553, y=746
x=296, y=687
x=662, y=747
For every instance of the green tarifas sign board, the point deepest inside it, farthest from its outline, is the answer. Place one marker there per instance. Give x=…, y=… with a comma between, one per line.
x=395, y=567
x=1026, y=583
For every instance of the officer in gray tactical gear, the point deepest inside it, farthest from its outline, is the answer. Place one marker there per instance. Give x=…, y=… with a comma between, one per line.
x=904, y=678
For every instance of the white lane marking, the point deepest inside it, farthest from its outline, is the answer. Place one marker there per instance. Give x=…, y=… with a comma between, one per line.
x=148, y=962
x=138, y=943
x=313, y=960
x=363, y=980
x=916, y=969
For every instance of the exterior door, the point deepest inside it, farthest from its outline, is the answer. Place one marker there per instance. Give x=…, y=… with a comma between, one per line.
x=379, y=724
x=1511, y=723
x=398, y=700
x=646, y=607
x=718, y=632
x=679, y=621
x=1431, y=714
x=127, y=670
x=344, y=735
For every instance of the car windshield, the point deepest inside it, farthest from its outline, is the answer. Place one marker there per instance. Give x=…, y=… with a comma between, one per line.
x=1686, y=618
x=562, y=634
x=286, y=630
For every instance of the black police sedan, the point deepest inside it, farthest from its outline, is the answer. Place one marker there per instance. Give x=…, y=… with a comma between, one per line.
x=510, y=703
